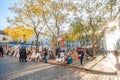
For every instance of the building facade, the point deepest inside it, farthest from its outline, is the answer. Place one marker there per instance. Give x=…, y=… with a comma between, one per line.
x=4, y=37
x=43, y=40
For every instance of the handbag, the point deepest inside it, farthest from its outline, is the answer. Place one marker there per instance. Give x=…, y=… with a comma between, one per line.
x=79, y=56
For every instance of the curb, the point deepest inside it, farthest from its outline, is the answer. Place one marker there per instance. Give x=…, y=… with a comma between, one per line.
x=85, y=70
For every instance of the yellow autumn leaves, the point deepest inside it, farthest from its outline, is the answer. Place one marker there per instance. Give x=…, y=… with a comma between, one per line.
x=19, y=32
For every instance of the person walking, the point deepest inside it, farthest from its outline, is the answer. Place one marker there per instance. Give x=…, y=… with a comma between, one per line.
x=1, y=51
x=23, y=55
x=46, y=56
x=82, y=56
x=20, y=55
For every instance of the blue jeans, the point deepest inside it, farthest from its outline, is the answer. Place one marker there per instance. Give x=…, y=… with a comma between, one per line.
x=46, y=59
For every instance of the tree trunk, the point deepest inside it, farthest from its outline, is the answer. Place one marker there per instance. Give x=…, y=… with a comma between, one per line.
x=37, y=36
x=54, y=47
x=93, y=50
x=93, y=45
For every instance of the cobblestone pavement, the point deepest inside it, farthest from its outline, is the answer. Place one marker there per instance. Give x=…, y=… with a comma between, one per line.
x=11, y=69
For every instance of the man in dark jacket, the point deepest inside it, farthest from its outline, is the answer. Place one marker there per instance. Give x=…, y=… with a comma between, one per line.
x=82, y=56
x=46, y=55
x=1, y=51
x=23, y=55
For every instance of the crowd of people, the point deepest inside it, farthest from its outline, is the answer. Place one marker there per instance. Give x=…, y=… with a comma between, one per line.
x=68, y=56
x=28, y=53
x=71, y=56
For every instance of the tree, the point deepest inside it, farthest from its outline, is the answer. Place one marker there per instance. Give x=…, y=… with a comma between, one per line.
x=18, y=32
x=66, y=37
x=28, y=14
x=79, y=28
x=91, y=21
x=57, y=15
x=112, y=6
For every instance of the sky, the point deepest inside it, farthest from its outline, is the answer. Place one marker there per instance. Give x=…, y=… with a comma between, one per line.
x=5, y=12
